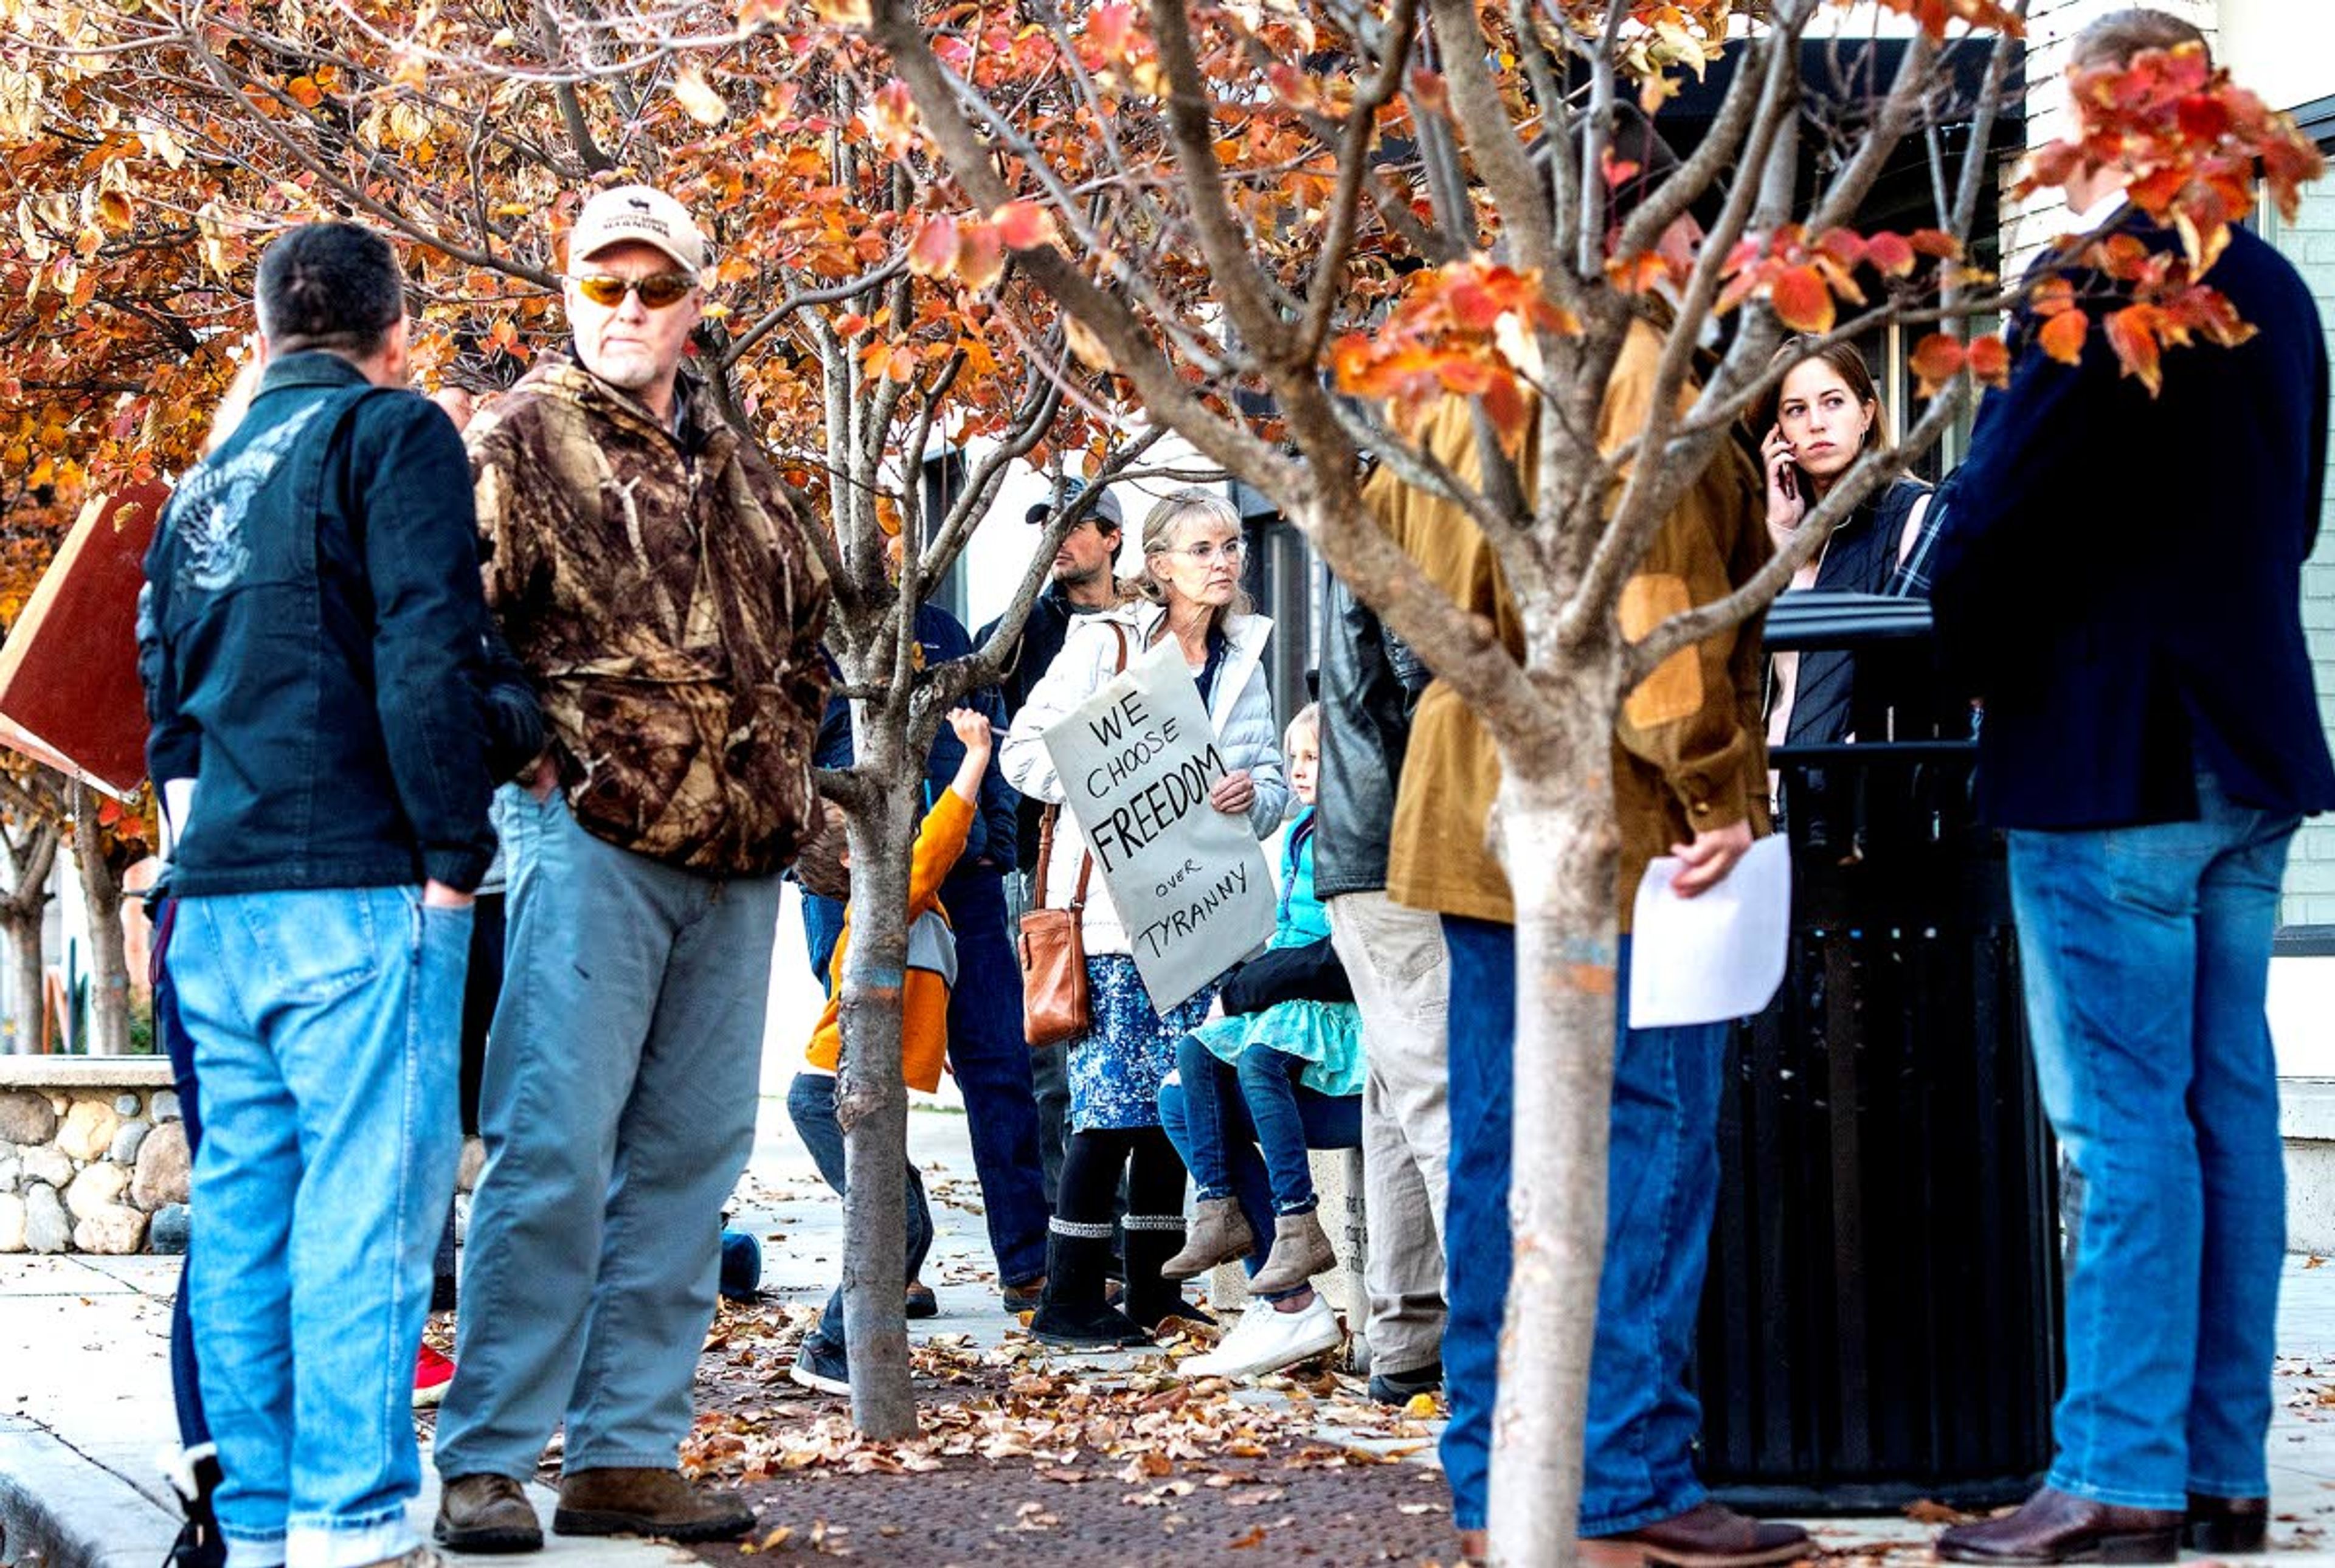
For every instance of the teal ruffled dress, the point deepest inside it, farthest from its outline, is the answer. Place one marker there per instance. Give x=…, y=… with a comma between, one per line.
x=1327, y=1036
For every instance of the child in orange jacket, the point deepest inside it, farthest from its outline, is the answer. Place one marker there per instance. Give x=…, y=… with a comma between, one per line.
x=822, y=1361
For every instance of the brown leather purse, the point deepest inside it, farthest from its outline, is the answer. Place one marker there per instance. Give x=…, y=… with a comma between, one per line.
x=1055, y=1004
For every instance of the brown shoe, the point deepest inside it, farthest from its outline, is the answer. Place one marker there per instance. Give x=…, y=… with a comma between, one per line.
x=2224, y=1525
x=2056, y=1526
x=486, y=1514
x=646, y=1503
x=1707, y=1535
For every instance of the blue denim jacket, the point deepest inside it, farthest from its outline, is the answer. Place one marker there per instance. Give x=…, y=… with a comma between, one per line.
x=319, y=621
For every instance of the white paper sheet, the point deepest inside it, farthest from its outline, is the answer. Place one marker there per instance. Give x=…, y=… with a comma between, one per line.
x=1718, y=955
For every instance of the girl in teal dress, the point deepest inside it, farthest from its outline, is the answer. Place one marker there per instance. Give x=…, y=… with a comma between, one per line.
x=1288, y=1028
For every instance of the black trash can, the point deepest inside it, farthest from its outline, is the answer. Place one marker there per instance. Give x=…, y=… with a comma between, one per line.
x=1881, y=1321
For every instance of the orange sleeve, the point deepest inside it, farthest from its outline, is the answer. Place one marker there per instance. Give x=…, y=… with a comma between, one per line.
x=938, y=844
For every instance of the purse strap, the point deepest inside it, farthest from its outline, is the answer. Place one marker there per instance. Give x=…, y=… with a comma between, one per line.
x=1054, y=811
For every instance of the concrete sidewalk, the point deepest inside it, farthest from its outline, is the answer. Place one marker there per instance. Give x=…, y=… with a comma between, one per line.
x=85, y=1403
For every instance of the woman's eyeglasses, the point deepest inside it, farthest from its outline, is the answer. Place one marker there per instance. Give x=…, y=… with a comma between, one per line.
x=1207, y=551
x=657, y=291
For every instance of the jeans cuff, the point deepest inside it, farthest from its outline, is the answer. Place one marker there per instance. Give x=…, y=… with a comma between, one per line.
x=1672, y=1501
x=621, y=1460
x=252, y=1551
x=1304, y=1206
x=2259, y=1486
x=2118, y=1497
x=340, y=1544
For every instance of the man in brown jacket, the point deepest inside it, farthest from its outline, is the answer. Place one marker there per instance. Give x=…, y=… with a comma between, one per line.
x=1689, y=772
x=647, y=572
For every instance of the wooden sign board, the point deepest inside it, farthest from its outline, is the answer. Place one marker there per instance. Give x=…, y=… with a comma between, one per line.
x=69, y=689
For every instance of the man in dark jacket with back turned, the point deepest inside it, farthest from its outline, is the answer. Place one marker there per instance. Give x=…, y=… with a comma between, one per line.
x=1370, y=680
x=2151, y=740
x=317, y=622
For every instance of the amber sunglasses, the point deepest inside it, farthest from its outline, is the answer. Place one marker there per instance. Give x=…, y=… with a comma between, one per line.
x=657, y=291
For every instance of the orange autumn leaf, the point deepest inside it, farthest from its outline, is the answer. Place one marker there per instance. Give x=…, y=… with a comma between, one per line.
x=934, y=250
x=1801, y=299
x=2133, y=334
x=1936, y=360
x=1023, y=225
x=980, y=255
x=2063, y=335
x=1989, y=360
x=1891, y=255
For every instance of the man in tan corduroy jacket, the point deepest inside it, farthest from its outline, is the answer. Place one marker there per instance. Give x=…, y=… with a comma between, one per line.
x=1689, y=777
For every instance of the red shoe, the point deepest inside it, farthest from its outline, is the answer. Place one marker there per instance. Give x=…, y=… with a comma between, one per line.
x=432, y=1373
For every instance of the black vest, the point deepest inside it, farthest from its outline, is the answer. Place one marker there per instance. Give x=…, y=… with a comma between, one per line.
x=1861, y=557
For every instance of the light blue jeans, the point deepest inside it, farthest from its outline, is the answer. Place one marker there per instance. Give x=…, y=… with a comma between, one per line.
x=2147, y=953
x=622, y=1077
x=325, y=1028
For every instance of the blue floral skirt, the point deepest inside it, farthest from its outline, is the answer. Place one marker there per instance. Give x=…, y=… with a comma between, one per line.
x=1117, y=1067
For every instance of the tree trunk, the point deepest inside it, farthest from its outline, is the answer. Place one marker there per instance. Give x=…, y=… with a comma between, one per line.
x=1556, y=814
x=109, y=954
x=871, y=1098
x=22, y=931
x=21, y=916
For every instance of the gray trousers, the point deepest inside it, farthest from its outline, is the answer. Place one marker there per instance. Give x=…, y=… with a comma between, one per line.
x=617, y=1107
x=1395, y=959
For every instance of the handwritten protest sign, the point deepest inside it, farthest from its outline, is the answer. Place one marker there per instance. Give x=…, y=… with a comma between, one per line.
x=1137, y=761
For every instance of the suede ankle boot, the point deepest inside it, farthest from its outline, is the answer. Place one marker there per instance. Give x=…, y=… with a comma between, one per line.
x=1301, y=1249
x=1218, y=1234
x=1072, y=1313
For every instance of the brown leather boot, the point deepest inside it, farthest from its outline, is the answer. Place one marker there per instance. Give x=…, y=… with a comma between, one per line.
x=1301, y=1249
x=1219, y=1232
x=1707, y=1535
x=486, y=1514
x=2056, y=1526
x=646, y=1503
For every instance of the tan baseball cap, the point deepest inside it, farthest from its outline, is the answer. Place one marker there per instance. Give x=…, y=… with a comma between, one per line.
x=636, y=213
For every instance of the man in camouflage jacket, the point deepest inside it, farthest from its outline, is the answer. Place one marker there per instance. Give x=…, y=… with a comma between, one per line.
x=647, y=571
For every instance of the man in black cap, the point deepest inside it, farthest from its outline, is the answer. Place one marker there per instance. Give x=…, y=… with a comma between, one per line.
x=1082, y=583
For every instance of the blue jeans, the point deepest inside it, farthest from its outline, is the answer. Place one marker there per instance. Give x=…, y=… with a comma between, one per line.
x=325, y=1028
x=2147, y=953
x=1662, y=1187
x=622, y=1077
x=1266, y=1090
x=186, y=1386
x=990, y=1060
x=810, y=1106
x=1324, y=1121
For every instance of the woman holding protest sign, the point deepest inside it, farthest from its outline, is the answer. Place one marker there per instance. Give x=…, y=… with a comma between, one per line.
x=1191, y=592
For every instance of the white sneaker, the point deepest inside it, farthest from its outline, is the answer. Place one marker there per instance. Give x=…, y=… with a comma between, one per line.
x=1266, y=1339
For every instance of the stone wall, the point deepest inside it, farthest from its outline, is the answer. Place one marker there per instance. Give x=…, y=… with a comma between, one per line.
x=92, y=1156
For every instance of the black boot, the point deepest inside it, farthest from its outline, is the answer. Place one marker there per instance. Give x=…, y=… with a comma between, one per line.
x=196, y=1480
x=1151, y=1299
x=1072, y=1313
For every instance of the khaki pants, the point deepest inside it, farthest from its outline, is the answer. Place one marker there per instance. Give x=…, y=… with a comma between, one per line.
x=1395, y=959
